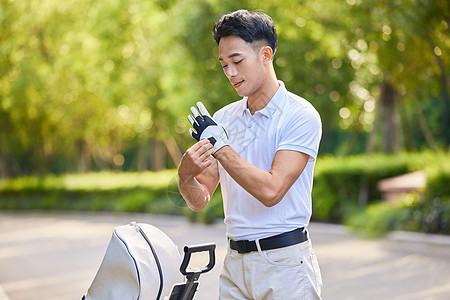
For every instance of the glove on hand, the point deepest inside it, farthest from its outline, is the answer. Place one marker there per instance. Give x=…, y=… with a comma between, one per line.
x=206, y=128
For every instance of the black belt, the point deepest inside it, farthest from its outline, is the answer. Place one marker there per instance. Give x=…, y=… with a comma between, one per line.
x=274, y=242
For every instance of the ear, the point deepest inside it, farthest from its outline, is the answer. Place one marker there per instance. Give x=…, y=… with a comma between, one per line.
x=267, y=53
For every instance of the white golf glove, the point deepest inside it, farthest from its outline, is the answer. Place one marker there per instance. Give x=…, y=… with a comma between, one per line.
x=206, y=128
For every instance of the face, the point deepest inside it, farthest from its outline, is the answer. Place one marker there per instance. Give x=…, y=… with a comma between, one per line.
x=242, y=65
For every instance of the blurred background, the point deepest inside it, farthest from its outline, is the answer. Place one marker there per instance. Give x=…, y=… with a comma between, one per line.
x=94, y=97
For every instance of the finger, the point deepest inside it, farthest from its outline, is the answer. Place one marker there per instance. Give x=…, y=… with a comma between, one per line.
x=202, y=109
x=205, y=152
x=198, y=145
x=191, y=120
x=204, y=142
x=194, y=112
x=209, y=160
x=203, y=145
x=194, y=134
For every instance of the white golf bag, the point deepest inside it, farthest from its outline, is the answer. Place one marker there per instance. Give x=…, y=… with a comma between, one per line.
x=141, y=262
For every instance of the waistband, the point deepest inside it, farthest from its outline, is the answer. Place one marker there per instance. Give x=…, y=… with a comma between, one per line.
x=285, y=239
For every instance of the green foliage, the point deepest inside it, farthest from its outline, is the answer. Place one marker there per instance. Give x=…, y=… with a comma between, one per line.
x=438, y=179
x=378, y=219
x=428, y=212
x=410, y=214
x=149, y=192
x=91, y=85
x=345, y=190
x=89, y=182
x=343, y=185
x=105, y=191
x=434, y=207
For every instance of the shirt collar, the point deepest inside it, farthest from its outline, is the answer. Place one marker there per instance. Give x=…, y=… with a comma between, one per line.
x=274, y=104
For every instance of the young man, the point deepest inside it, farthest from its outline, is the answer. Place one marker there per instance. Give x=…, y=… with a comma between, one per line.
x=262, y=149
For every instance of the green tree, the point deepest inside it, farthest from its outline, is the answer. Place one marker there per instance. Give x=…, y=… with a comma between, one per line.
x=88, y=85
x=408, y=38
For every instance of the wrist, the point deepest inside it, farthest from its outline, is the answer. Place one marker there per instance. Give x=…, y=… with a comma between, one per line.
x=220, y=153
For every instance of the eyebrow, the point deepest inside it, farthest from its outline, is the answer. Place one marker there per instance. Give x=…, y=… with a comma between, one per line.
x=231, y=55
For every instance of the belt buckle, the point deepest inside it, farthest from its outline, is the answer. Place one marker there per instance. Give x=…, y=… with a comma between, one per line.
x=241, y=247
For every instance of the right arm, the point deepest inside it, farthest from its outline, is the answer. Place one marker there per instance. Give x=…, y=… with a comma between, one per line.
x=198, y=175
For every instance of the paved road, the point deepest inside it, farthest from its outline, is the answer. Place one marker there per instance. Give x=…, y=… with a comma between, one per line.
x=56, y=255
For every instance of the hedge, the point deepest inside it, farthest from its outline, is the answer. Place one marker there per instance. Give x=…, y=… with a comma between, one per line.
x=104, y=191
x=341, y=185
x=428, y=212
x=345, y=189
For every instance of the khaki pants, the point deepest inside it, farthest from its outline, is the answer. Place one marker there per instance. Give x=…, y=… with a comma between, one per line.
x=286, y=273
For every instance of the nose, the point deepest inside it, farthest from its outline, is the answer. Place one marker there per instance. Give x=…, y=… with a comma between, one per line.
x=230, y=71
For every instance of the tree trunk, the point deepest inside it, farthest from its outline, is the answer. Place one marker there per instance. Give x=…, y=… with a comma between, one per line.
x=425, y=130
x=143, y=157
x=174, y=150
x=159, y=156
x=85, y=159
x=407, y=131
x=388, y=103
x=3, y=167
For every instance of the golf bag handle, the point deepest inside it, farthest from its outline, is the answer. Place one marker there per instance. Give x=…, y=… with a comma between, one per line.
x=188, y=250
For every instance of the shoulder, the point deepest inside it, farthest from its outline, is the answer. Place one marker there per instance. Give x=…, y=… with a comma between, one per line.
x=298, y=108
x=301, y=127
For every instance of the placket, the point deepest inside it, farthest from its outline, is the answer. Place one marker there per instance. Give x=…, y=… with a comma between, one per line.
x=252, y=126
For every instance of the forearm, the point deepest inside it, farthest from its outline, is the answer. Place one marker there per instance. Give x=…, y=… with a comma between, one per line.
x=269, y=187
x=259, y=183
x=194, y=193
x=198, y=175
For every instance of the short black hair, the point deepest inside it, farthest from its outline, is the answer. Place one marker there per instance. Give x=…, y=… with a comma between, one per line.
x=250, y=26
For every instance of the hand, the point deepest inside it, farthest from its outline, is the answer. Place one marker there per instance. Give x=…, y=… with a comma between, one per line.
x=206, y=128
x=196, y=159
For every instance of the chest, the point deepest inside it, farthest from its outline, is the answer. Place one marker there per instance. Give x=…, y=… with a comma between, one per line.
x=255, y=138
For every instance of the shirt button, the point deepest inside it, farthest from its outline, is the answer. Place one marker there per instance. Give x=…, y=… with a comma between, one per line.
x=250, y=126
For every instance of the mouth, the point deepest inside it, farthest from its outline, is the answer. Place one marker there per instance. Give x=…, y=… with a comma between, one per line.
x=238, y=84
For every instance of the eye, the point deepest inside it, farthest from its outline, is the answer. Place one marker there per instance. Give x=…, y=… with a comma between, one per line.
x=224, y=66
x=238, y=62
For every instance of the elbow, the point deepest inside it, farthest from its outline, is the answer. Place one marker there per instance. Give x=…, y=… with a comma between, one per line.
x=194, y=200
x=271, y=202
x=271, y=198
x=197, y=205
x=195, y=208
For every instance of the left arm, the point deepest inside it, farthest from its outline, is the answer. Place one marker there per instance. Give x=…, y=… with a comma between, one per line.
x=268, y=187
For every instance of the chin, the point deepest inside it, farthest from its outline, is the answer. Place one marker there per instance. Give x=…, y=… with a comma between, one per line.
x=242, y=92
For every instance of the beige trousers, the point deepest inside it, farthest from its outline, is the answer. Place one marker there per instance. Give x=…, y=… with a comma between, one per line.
x=286, y=273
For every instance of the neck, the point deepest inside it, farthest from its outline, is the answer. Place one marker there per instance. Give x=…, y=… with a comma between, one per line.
x=262, y=97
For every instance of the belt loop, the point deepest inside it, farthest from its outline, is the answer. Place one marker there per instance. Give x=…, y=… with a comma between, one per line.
x=258, y=246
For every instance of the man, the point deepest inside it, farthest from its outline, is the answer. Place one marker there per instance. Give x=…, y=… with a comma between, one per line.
x=262, y=149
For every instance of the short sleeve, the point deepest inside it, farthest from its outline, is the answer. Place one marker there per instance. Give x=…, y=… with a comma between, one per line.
x=301, y=131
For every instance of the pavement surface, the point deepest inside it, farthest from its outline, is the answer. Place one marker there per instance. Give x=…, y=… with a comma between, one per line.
x=56, y=256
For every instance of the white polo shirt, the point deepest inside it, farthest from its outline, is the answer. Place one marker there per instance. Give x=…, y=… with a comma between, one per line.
x=288, y=122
